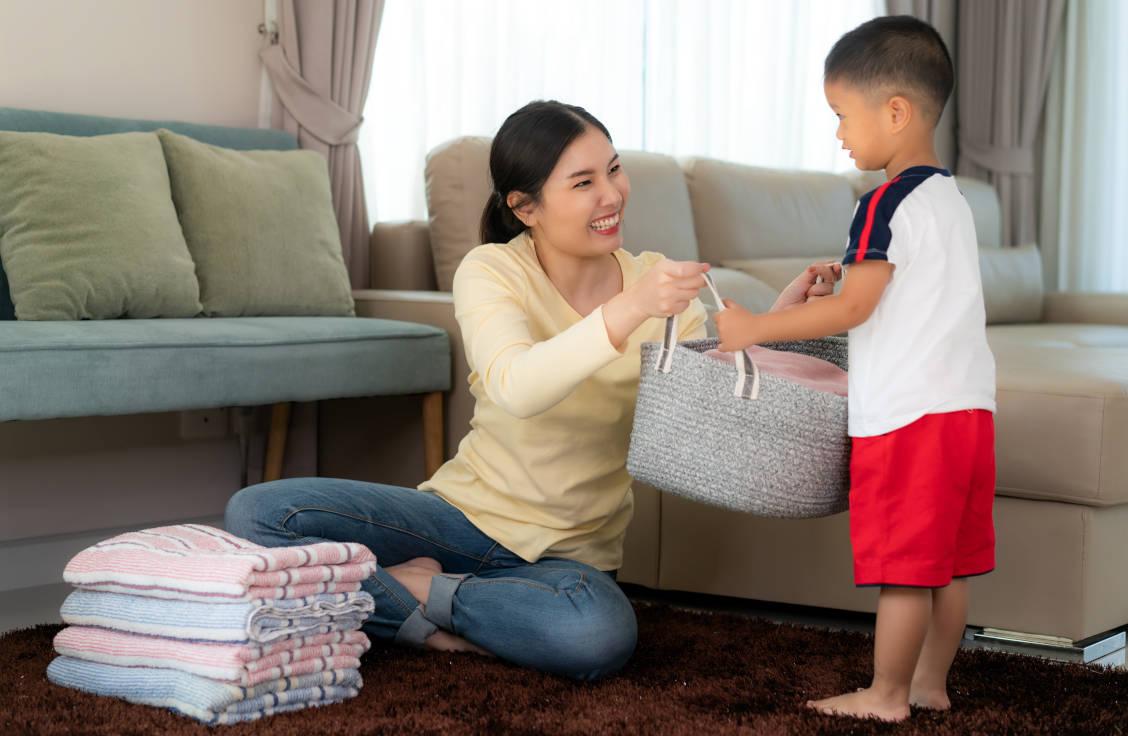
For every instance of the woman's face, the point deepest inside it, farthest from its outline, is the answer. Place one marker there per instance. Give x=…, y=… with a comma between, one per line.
x=581, y=206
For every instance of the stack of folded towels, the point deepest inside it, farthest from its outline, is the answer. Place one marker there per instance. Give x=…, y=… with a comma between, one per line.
x=194, y=619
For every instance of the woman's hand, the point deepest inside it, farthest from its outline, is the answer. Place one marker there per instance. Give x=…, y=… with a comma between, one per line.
x=806, y=287
x=667, y=288
x=664, y=290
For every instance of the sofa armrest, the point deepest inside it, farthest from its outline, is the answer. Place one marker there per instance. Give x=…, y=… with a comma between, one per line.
x=400, y=256
x=1086, y=308
x=430, y=308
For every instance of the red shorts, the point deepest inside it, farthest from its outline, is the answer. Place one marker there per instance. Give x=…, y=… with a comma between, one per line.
x=920, y=501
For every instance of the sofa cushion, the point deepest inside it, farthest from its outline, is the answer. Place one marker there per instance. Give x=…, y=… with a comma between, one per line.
x=261, y=229
x=88, y=231
x=1012, y=284
x=750, y=212
x=1062, y=420
x=658, y=216
x=64, y=369
x=38, y=121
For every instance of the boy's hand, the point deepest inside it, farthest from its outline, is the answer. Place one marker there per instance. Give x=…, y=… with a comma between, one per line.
x=806, y=286
x=735, y=327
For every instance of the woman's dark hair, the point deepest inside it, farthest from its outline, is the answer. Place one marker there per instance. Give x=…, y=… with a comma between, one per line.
x=524, y=152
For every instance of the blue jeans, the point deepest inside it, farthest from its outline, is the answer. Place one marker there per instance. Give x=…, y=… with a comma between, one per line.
x=554, y=615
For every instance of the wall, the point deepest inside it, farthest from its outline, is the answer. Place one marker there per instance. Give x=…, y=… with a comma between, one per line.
x=65, y=484
x=194, y=60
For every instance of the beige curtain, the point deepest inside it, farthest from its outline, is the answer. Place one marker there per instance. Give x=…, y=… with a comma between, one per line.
x=1006, y=49
x=320, y=71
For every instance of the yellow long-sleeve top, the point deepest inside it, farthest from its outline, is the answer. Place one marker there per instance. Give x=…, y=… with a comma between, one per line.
x=543, y=469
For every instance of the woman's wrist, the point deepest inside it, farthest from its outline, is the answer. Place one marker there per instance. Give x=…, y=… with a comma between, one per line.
x=621, y=317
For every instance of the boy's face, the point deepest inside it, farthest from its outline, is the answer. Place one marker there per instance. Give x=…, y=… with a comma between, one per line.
x=863, y=126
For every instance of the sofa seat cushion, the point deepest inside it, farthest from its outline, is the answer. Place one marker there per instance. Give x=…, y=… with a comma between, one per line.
x=66, y=369
x=1062, y=422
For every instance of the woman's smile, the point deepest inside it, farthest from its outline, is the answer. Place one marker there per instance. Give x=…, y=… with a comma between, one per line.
x=608, y=225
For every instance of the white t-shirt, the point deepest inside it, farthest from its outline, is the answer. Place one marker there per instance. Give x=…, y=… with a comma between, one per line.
x=924, y=349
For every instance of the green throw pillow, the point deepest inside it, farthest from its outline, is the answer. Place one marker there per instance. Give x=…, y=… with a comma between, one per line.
x=261, y=229
x=88, y=230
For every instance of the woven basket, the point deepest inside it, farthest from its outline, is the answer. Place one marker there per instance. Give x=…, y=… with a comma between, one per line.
x=771, y=447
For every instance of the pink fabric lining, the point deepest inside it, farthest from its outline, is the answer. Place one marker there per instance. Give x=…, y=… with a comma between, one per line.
x=814, y=373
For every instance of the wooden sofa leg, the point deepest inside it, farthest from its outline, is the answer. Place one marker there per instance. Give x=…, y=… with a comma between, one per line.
x=276, y=441
x=433, y=431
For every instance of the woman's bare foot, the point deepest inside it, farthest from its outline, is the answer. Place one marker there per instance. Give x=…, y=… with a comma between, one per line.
x=930, y=699
x=861, y=704
x=425, y=563
x=415, y=575
x=444, y=641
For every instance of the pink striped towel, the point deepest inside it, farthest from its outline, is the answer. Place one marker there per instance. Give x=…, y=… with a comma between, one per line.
x=196, y=562
x=239, y=664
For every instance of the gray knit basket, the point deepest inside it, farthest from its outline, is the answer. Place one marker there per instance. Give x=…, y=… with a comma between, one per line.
x=779, y=450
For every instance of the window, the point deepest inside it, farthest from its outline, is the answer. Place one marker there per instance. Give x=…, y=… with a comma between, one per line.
x=739, y=80
x=1086, y=153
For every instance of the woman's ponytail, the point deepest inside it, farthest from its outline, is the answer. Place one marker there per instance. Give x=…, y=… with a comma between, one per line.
x=499, y=224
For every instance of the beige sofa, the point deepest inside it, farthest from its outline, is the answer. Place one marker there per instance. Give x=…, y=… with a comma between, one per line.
x=1062, y=448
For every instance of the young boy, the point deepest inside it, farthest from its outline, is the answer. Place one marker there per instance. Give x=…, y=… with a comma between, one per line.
x=922, y=378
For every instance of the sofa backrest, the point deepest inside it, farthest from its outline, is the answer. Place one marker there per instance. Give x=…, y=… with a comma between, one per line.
x=658, y=218
x=743, y=212
x=34, y=121
x=769, y=223
x=746, y=212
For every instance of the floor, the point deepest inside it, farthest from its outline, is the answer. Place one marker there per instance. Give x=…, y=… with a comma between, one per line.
x=41, y=605
x=831, y=619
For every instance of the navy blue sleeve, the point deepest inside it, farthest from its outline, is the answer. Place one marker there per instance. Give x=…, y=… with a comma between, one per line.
x=870, y=234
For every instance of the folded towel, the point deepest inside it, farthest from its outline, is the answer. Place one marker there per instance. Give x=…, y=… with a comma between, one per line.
x=239, y=664
x=206, y=700
x=258, y=621
x=806, y=370
x=196, y=562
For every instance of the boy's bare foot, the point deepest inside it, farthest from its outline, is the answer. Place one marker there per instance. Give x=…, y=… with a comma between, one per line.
x=929, y=699
x=861, y=704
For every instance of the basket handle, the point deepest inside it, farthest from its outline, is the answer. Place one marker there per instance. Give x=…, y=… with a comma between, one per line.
x=744, y=388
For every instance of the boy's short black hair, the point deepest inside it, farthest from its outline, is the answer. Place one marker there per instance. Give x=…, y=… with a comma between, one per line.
x=897, y=51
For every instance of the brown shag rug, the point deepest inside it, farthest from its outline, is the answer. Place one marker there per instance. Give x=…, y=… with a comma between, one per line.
x=693, y=673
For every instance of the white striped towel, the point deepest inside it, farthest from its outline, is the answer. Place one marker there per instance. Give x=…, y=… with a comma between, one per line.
x=259, y=622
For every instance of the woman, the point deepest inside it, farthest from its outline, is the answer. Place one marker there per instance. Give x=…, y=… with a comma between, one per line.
x=511, y=548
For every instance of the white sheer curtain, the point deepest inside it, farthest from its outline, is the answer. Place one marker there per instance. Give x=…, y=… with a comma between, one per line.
x=739, y=80
x=1084, y=218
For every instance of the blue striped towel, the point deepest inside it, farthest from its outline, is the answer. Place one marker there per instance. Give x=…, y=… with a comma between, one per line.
x=198, y=697
x=260, y=621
